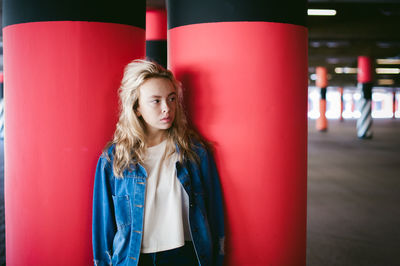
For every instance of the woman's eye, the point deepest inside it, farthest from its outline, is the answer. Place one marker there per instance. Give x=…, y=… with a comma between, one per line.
x=172, y=99
x=155, y=101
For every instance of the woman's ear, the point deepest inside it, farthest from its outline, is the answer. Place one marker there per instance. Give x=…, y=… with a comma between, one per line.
x=137, y=112
x=136, y=109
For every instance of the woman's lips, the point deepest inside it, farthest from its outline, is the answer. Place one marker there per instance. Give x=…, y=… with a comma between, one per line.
x=166, y=119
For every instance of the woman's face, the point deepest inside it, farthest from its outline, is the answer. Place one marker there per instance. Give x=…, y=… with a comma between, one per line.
x=157, y=104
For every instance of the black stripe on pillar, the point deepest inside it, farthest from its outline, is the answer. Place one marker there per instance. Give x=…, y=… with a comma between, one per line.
x=187, y=12
x=128, y=12
x=323, y=93
x=156, y=50
x=367, y=90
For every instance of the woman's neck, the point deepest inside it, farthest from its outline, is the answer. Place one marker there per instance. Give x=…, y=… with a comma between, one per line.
x=155, y=138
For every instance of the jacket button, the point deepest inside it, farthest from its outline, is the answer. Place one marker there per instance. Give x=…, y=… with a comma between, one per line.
x=191, y=205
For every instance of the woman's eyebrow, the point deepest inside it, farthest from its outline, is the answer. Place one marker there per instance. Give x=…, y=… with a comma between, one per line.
x=158, y=96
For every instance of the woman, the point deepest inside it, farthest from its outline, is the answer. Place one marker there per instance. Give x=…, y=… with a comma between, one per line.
x=157, y=198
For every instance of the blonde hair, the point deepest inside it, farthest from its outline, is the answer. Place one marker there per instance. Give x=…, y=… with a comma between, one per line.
x=129, y=137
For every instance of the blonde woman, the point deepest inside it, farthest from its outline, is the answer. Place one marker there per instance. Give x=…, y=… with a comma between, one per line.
x=157, y=197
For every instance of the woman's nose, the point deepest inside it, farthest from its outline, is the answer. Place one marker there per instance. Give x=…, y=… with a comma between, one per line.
x=165, y=107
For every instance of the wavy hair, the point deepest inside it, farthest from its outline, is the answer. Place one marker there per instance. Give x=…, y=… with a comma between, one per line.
x=129, y=136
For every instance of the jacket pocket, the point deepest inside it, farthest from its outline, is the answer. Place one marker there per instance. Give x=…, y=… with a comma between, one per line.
x=122, y=210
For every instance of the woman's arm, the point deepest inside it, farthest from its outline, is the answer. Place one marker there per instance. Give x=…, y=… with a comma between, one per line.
x=214, y=204
x=103, y=224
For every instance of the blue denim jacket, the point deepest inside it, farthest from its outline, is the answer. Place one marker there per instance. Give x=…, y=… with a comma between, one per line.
x=118, y=210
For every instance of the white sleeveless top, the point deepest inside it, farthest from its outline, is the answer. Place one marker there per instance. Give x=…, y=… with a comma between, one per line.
x=166, y=205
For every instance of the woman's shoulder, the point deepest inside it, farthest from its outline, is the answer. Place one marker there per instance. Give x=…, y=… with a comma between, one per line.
x=108, y=153
x=201, y=147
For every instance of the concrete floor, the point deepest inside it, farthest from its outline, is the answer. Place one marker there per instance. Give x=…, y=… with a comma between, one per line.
x=353, y=196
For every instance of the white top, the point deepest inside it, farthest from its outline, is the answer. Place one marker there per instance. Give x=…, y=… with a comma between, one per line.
x=166, y=205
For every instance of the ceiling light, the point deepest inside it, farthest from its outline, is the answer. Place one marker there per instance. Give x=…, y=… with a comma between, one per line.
x=388, y=61
x=321, y=12
x=385, y=81
x=387, y=70
x=345, y=70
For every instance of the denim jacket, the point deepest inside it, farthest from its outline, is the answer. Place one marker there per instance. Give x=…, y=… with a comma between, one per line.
x=118, y=210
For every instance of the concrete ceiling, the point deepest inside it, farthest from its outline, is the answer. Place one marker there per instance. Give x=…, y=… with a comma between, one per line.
x=361, y=27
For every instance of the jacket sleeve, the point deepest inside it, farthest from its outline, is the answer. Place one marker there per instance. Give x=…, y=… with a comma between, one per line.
x=214, y=204
x=103, y=221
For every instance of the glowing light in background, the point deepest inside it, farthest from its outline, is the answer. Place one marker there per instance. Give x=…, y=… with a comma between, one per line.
x=321, y=12
x=313, y=100
x=385, y=81
x=383, y=70
x=333, y=104
x=357, y=96
x=388, y=61
x=346, y=70
x=382, y=104
x=348, y=105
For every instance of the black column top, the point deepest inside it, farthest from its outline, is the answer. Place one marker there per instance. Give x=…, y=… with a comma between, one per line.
x=128, y=12
x=367, y=90
x=186, y=12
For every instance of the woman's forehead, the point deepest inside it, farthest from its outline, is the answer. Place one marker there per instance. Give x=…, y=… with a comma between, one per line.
x=157, y=87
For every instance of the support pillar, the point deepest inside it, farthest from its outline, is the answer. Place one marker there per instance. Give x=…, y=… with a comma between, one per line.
x=322, y=83
x=232, y=59
x=1, y=105
x=64, y=62
x=394, y=103
x=156, y=35
x=364, y=77
x=341, y=104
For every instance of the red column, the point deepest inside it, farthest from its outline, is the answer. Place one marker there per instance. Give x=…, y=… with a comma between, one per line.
x=397, y=104
x=233, y=59
x=1, y=106
x=322, y=83
x=364, y=77
x=63, y=62
x=156, y=35
x=394, y=103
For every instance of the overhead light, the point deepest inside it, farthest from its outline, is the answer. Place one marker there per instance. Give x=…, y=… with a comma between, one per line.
x=321, y=12
x=387, y=70
x=385, y=81
x=388, y=61
x=345, y=70
x=315, y=44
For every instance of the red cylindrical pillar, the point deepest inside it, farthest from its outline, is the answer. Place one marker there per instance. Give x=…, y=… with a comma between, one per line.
x=156, y=35
x=396, y=106
x=233, y=59
x=322, y=83
x=364, y=77
x=1, y=106
x=394, y=103
x=364, y=73
x=63, y=63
